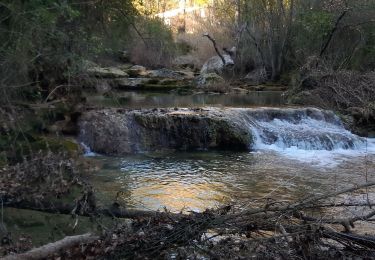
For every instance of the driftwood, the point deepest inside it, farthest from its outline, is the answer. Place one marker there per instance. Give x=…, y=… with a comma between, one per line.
x=53, y=248
x=284, y=230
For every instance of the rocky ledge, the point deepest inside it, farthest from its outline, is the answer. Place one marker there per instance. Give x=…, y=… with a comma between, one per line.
x=119, y=131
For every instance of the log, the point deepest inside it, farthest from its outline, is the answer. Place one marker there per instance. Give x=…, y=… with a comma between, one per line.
x=53, y=248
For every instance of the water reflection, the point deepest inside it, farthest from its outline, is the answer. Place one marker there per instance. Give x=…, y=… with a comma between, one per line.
x=199, y=180
x=149, y=100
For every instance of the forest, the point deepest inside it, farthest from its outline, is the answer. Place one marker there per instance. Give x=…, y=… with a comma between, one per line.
x=187, y=129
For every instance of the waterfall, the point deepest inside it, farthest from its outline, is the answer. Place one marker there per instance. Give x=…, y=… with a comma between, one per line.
x=296, y=132
x=302, y=133
x=305, y=129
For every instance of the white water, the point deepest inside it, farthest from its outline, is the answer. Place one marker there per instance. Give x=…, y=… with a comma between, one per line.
x=309, y=135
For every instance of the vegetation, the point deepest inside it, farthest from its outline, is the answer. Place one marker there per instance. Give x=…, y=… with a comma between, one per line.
x=51, y=51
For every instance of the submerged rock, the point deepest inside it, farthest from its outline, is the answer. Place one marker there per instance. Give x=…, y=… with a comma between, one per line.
x=119, y=132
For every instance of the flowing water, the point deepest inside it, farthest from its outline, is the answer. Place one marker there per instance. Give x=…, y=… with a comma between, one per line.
x=296, y=153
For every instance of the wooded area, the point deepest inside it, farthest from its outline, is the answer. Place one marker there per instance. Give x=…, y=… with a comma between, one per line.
x=320, y=52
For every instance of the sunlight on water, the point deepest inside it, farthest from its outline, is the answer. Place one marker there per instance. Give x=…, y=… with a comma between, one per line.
x=200, y=180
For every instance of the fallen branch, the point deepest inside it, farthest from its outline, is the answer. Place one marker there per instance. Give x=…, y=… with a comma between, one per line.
x=53, y=248
x=63, y=208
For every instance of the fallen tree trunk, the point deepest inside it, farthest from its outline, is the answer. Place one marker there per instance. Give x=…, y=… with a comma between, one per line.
x=53, y=248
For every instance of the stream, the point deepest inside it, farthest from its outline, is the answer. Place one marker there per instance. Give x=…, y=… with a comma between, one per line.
x=293, y=157
x=296, y=154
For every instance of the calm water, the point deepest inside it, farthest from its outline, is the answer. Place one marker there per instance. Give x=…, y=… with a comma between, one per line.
x=151, y=100
x=200, y=180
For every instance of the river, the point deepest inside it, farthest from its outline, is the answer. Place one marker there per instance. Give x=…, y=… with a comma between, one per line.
x=299, y=166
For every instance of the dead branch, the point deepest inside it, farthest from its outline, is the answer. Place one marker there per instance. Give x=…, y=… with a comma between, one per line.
x=53, y=248
x=216, y=49
x=64, y=208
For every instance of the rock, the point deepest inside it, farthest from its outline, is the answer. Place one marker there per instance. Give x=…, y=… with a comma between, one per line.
x=119, y=132
x=215, y=64
x=110, y=72
x=208, y=79
x=240, y=90
x=129, y=83
x=136, y=71
x=256, y=77
x=171, y=74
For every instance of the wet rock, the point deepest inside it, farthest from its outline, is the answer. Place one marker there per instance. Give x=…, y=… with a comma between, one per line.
x=123, y=132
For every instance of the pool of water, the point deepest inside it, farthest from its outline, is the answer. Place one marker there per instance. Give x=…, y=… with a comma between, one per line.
x=200, y=180
x=153, y=99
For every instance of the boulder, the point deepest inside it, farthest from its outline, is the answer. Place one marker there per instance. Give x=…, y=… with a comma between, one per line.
x=109, y=72
x=120, y=132
x=215, y=64
x=208, y=79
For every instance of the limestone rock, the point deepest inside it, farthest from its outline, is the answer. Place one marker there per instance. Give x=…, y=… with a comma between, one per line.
x=171, y=74
x=109, y=72
x=119, y=132
x=215, y=64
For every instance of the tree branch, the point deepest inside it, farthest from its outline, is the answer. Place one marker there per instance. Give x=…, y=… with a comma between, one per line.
x=216, y=49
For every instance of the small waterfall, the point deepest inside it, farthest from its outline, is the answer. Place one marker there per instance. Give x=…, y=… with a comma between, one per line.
x=300, y=129
x=86, y=150
x=305, y=134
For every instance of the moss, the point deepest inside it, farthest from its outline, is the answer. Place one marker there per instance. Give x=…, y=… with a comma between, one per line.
x=16, y=146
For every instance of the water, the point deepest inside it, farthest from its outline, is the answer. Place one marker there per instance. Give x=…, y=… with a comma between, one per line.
x=296, y=153
x=154, y=99
x=200, y=180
